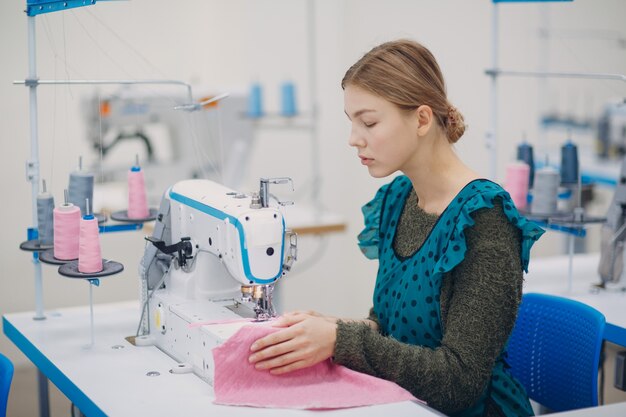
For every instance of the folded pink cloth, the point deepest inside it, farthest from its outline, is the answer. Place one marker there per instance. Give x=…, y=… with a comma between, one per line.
x=325, y=385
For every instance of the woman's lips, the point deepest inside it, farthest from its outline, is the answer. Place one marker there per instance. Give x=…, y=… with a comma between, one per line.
x=366, y=161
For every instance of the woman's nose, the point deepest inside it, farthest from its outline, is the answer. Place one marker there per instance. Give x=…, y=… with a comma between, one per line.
x=355, y=139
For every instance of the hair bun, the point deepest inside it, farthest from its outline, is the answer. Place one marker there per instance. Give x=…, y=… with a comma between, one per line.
x=455, y=124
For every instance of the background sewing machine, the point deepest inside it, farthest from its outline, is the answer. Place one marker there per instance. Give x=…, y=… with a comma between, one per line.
x=215, y=255
x=611, y=267
x=172, y=144
x=611, y=137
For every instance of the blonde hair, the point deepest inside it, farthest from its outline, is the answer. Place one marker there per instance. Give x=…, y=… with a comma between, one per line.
x=406, y=74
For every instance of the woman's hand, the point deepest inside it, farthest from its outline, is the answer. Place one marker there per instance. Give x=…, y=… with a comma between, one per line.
x=307, y=339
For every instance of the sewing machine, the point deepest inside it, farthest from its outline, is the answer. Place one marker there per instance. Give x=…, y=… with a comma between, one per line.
x=172, y=144
x=214, y=257
x=611, y=267
x=611, y=139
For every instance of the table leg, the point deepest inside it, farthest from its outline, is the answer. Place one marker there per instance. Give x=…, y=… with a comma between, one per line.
x=44, y=397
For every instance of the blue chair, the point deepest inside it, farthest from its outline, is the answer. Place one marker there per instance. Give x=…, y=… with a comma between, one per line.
x=6, y=375
x=554, y=351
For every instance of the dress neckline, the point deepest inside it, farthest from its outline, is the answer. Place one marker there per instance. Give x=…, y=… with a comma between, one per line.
x=432, y=215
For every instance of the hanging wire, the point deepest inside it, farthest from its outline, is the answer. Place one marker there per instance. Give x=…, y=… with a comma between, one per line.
x=55, y=51
x=54, y=102
x=100, y=137
x=220, y=139
x=97, y=44
x=127, y=44
x=200, y=155
x=203, y=159
x=607, y=85
x=67, y=74
x=116, y=63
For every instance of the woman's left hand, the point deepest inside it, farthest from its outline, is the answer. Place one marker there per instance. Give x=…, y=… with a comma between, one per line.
x=307, y=339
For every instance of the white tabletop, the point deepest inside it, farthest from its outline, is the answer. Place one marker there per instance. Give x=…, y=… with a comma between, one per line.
x=105, y=380
x=609, y=410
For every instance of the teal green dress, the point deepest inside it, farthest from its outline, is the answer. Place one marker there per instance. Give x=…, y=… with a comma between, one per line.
x=407, y=293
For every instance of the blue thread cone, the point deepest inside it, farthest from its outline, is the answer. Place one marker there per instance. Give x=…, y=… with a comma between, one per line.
x=569, y=163
x=288, y=99
x=255, y=101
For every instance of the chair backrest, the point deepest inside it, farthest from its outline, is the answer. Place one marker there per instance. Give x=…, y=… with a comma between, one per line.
x=554, y=351
x=6, y=375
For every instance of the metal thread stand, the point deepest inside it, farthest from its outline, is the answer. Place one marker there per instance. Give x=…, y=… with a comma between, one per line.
x=34, y=8
x=91, y=329
x=494, y=72
x=491, y=137
x=32, y=174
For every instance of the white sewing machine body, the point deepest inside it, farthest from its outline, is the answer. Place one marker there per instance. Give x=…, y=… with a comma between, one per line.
x=228, y=245
x=173, y=331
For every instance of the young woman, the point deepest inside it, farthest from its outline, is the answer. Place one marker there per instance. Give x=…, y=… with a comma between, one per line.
x=451, y=248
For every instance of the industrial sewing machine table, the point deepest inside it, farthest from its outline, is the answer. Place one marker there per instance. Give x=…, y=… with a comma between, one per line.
x=115, y=378
x=549, y=276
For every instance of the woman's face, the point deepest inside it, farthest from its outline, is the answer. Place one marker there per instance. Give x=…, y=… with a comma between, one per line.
x=384, y=136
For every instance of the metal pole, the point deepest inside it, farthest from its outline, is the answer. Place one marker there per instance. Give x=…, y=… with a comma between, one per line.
x=32, y=173
x=491, y=137
x=104, y=82
x=570, y=265
x=32, y=165
x=542, y=85
x=548, y=74
x=44, y=403
x=315, y=152
x=91, y=329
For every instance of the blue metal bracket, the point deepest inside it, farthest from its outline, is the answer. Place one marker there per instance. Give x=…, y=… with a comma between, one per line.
x=600, y=179
x=126, y=227
x=576, y=231
x=35, y=7
x=33, y=233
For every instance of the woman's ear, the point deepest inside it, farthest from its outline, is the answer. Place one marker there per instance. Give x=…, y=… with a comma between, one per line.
x=425, y=119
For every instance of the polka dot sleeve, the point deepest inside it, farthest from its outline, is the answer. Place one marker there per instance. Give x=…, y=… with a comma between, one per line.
x=530, y=231
x=369, y=238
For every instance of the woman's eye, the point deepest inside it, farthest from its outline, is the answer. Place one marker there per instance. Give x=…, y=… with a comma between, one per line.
x=369, y=124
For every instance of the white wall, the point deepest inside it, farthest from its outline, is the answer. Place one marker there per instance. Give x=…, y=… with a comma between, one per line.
x=229, y=43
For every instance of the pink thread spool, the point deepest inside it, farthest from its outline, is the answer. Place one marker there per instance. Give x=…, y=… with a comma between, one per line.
x=89, y=254
x=137, y=200
x=517, y=175
x=66, y=230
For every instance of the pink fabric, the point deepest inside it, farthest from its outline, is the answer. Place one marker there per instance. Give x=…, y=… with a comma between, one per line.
x=214, y=322
x=324, y=385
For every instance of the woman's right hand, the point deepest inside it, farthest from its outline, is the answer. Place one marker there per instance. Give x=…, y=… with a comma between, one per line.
x=372, y=324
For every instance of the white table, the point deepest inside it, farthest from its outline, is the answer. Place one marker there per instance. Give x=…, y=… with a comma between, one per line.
x=550, y=276
x=110, y=378
x=104, y=380
x=610, y=410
